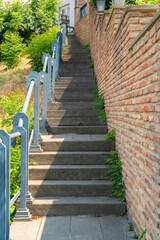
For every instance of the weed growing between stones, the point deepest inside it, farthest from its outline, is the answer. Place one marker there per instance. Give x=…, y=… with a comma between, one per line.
x=116, y=176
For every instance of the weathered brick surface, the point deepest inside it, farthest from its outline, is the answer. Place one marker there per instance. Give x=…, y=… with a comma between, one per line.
x=130, y=82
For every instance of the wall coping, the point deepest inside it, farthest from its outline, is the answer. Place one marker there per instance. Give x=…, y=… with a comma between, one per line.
x=145, y=29
x=111, y=13
x=135, y=8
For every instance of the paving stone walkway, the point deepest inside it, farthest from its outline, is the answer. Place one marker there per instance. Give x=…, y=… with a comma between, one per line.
x=72, y=228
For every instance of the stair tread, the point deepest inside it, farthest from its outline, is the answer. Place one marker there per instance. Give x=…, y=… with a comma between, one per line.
x=50, y=167
x=70, y=182
x=64, y=153
x=73, y=137
x=77, y=200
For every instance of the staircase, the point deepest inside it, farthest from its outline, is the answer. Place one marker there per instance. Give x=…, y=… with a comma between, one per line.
x=70, y=177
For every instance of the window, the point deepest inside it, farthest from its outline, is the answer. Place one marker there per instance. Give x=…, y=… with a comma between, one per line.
x=68, y=11
x=64, y=12
x=83, y=11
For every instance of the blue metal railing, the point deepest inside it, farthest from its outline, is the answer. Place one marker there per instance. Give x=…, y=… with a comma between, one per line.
x=47, y=77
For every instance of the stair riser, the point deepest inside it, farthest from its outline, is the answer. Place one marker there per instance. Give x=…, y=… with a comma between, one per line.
x=68, y=174
x=76, y=90
x=73, y=94
x=76, y=74
x=86, y=71
x=75, y=68
x=69, y=159
x=78, y=146
x=73, y=100
x=70, y=85
x=77, y=209
x=79, y=113
x=78, y=130
x=76, y=79
x=71, y=190
x=75, y=121
x=71, y=106
x=76, y=60
x=75, y=50
x=72, y=66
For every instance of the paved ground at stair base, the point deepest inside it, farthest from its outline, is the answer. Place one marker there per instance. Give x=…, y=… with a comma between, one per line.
x=72, y=228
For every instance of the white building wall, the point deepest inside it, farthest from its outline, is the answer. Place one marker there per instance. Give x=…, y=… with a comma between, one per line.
x=71, y=4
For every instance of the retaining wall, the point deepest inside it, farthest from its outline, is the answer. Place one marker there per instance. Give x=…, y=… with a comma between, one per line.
x=125, y=49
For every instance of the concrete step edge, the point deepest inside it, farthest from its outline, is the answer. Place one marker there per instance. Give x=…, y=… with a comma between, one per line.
x=77, y=200
x=69, y=182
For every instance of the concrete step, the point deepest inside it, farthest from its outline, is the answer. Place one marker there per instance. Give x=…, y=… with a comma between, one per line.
x=61, y=89
x=70, y=94
x=72, y=84
x=75, y=121
x=76, y=74
x=75, y=54
x=75, y=50
x=73, y=100
x=69, y=158
x=70, y=188
x=76, y=142
x=72, y=113
x=77, y=129
x=69, y=206
x=84, y=79
x=75, y=68
x=68, y=172
x=76, y=60
x=71, y=106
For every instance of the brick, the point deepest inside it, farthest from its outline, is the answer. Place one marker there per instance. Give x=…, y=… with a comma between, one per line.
x=129, y=80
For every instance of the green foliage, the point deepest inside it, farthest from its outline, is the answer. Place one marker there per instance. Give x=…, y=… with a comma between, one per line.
x=25, y=19
x=91, y=65
x=142, y=233
x=100, y=102
x=33, y=164
x=116, y=176
x=142, y=2
x=11, y=49
x=89, y=56
x=87, y=46
x=103, y=115
x=111, y=135
x=99, y=99
x=39, y=45
x=130, y=226
x=10, y=105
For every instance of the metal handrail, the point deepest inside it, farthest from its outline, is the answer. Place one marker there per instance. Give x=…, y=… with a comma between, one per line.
x=47, y=77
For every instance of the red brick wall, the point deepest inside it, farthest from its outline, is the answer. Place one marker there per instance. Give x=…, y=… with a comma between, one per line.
x=130, y=82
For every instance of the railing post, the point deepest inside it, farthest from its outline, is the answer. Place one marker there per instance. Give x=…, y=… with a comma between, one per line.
x=44, y=79
x=25, y=120
x=6, y=141
x=48, y=56
x=55, y=58
x=34, y=76
x=60, y=41
x=23, y=213
x=3, y=176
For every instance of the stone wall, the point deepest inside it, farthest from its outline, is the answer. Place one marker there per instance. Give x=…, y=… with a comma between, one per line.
x=125, y=49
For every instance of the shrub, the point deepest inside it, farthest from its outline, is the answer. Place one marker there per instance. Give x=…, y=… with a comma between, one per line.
x=39, y=45
x=26, y=18
x=11, y=49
